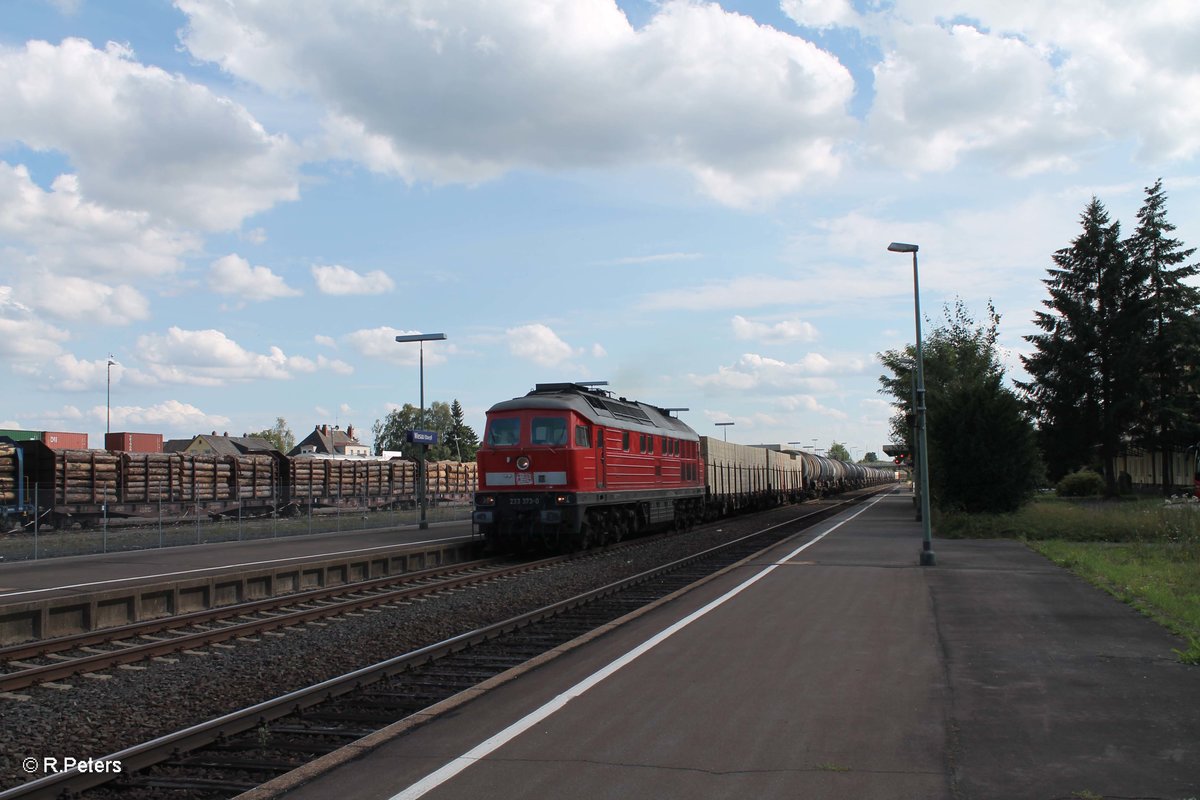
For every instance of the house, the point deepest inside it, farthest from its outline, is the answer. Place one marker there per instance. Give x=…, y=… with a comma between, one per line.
x=223, y=445
x=331, y=442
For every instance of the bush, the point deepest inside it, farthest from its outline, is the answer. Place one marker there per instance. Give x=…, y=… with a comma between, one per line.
x=1084, y=483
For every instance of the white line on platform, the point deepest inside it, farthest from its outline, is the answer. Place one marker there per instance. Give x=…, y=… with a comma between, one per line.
x=486, y=748
x=224, y=566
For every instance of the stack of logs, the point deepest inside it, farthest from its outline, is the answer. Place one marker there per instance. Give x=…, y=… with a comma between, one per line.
x=172, y=477
x=8, y=473
x=257, y=477
x=450, y=478
x=85, y=476
x=337, y=478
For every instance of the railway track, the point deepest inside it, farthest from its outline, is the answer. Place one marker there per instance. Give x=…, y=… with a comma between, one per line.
x=237, y=752
x=87, y=653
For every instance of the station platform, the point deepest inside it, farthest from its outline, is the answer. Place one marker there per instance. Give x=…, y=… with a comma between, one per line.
x=74, y=594
x=835, y=667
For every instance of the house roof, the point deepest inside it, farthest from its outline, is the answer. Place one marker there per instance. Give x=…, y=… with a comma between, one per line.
x=220, y=445
x=329, y=441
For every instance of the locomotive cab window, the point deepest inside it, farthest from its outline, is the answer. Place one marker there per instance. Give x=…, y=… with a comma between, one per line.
x=549, y=431
x=504, y=432
x=582, y=439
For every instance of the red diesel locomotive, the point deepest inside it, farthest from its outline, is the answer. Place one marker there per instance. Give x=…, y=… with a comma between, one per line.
x=570, y=466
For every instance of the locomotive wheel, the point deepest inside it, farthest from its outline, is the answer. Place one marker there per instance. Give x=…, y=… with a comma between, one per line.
x=583, y=539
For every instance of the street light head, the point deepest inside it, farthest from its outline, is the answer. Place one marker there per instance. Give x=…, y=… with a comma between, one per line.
x=901, y=247
x=420, y=337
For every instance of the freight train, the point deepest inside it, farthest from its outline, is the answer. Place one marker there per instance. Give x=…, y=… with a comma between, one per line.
x=64, y=487
x=569, y=466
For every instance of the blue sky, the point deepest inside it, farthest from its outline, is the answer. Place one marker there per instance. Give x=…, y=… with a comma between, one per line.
x=244, y=203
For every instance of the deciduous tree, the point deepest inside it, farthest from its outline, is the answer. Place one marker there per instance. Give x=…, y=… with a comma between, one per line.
x=454, y=438
x=838, y=451
x=982, y=454
x=279, y=435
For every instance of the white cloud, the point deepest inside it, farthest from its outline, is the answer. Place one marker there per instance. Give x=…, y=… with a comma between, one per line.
x=59, y=231
x=1035, y=86
x=807, y=402
x=172, y=414
x=255, y=236
x=233, y=275
x=73, y=375
x=25, y=339
x=210, y=358
x=141, y=138
x=820, y=13
x=70, y=298
x=477, y=88
x=788, y=330
x=339, y=280
x=813, y=372
x=381, y=343
x=539, y=344
x=334, y=365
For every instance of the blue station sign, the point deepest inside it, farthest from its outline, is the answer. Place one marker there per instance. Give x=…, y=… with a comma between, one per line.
x=421, y=437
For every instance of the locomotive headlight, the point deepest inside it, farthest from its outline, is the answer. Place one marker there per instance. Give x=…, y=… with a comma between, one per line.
x=485, y=499
x=564, y=499
x=523, y=462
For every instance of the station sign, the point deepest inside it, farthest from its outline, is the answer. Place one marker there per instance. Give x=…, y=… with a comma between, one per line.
x=421, y=437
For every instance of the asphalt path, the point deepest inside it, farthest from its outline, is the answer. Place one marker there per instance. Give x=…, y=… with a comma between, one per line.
x=837, y=667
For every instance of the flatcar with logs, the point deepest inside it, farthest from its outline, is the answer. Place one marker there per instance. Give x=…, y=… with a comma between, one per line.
x=63, y=487
x=569, y=466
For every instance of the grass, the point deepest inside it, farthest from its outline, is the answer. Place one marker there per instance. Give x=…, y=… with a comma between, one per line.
x=1144, y=552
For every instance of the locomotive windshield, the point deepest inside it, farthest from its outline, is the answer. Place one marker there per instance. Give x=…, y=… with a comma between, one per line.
x=504, y=432
x=549, y=430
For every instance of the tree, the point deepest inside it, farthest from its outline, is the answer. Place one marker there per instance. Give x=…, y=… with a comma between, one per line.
x=1168, y=420
x=1086, y=379
x=461, y=439
x=982, y=453
x=838, y=452
x=870, y=458
x=453, y=437
x=279, y=435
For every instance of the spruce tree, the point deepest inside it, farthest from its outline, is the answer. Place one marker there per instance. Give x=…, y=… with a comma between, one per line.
x=1168, y=421
x=1086, y=379
x=461, y=439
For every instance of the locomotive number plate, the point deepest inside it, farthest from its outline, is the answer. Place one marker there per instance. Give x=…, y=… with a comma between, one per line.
x=522, y=501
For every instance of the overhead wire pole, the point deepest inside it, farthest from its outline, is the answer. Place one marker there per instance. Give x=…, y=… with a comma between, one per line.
x=421, y=339
x=927, y=557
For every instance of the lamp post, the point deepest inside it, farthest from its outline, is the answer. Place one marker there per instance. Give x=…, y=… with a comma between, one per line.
x=724, y=426
x=927, y=557
x=421, y=338
x=108, y=397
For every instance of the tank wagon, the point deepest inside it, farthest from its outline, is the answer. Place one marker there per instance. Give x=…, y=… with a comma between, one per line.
x=569, y=466
x=85, y=486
